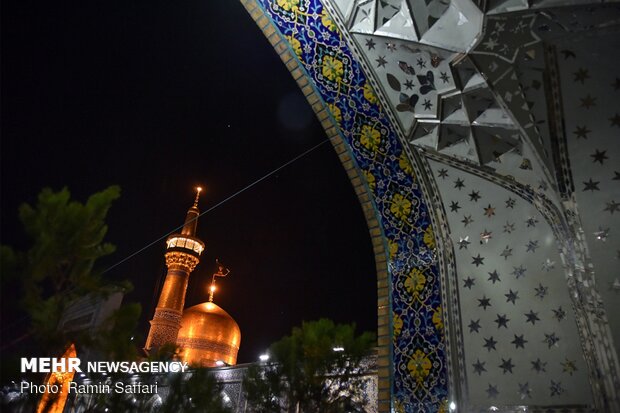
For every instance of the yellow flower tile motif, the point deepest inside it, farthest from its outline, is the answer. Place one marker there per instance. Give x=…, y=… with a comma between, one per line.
x=370, y=178
x=397, y=324
x=333, y=68
x=429, y=237
x=419, y=366
x=288, y=5
x=369, y=93
x=404, y=164
x=393, y=246
x=327, y=21
x=415, y=282
x=401, y=206
x=443, y=408
x=398, y=406
x=370, y=137
x=336, y=112
x=295, y=44
x=438, y=318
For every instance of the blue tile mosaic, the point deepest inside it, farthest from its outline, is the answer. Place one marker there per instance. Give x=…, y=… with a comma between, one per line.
x=419, y=366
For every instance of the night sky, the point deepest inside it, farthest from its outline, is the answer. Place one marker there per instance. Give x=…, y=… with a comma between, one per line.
x=159, y=97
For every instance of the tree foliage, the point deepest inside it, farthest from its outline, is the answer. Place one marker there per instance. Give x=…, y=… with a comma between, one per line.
x=193, y=392
x=307, y=374
x=68, y=236
x=199, y=393
x=67, y=239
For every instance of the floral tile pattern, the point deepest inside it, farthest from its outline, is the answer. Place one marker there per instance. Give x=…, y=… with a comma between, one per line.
x=419, y=355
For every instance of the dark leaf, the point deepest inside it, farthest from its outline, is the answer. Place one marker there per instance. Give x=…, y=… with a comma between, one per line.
x=393, y=82
x=403, y=98
x=422, y=79
x=413, y=100
x=403, y=107
x=430, y=77
x=424, y=89
x=406, y=68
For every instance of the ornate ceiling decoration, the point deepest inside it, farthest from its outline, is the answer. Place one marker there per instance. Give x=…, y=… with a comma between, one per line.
x=480, y=103
x=519, y=332
x=486, y=107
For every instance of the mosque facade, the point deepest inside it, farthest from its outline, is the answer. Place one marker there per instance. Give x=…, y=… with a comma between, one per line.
x=481, y=137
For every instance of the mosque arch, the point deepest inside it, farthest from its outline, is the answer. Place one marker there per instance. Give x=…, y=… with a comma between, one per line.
x=360, y=186
x=419, y=255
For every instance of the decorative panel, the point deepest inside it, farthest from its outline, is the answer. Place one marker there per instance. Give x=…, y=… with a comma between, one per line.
x=520, y=337
x=418, y=370
x=590, y=78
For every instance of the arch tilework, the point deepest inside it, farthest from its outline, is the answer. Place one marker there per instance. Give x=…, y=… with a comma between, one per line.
x=413, y=370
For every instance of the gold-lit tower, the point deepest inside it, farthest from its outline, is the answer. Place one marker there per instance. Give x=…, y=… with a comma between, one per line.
x=182, y=255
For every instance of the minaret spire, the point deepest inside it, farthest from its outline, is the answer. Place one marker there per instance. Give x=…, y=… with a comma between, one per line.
x=198, y=191
x=182, y=255
x=191, y=219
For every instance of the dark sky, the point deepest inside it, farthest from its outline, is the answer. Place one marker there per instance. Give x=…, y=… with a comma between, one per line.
x=157, y=97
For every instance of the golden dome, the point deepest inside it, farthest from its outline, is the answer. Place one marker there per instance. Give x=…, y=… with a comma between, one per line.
x=208, y=334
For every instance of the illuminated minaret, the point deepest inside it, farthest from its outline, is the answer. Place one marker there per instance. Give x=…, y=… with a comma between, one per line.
x=182, y=255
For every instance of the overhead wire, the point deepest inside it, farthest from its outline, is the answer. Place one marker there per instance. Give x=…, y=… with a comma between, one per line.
x=158, y=240
x=161, y=238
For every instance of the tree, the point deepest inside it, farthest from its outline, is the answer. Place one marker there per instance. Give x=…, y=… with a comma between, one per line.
x=67, y=239
x=194, y=391
x=199, y=393
x=317, y=368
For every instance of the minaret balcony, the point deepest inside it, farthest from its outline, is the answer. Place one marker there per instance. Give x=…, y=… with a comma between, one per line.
x=185, y=243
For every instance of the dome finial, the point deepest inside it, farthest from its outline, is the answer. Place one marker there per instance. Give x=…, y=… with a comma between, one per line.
x=221, y=272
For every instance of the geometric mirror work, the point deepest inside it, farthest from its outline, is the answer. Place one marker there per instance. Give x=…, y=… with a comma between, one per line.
x=520, y=340
x=444, y=103
x=422, y=21
x=590, y=79
x=506, y=6
x=413, y=78
x=489, y=107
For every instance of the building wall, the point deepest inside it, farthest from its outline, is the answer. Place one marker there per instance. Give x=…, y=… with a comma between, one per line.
x=230, y=378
